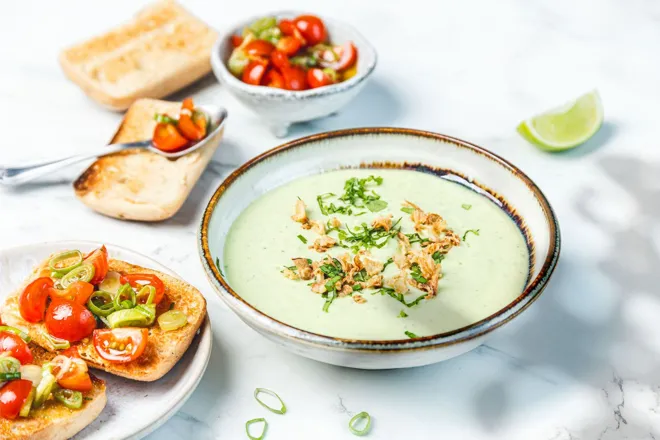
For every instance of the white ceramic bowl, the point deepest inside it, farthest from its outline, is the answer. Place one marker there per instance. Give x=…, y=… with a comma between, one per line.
x=465, y=163
x=281, y=108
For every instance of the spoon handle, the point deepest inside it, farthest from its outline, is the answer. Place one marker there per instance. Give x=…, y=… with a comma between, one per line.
x=18, y=175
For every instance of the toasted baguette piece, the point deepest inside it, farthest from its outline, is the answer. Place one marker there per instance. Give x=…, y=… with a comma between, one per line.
x=54, y=421
x=163, y=49
x=164, y=349
x=138, y=184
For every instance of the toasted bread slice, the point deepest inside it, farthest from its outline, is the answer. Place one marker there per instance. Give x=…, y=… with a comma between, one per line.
x=163, y=49
x=54, y=421
x=164, y=349
x=138, y=184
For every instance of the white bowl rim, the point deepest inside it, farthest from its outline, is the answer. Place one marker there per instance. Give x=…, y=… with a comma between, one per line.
x=532, y=291
x=226, y=76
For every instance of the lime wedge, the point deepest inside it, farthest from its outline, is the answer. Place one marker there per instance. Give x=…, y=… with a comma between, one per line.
x=567, y=126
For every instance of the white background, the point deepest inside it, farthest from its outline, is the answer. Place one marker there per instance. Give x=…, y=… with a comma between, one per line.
x=582, y=363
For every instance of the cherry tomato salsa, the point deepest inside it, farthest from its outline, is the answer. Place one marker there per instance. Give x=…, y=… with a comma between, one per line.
x=290, y=54
x=177, y=134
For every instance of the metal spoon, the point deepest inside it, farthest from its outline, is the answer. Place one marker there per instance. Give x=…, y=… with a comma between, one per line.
x=12, y=176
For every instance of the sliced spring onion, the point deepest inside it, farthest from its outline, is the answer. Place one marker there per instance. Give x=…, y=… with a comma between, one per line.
x=146, y=295
x=101, y=303
x=71, y=399
x=9, y=376
x=54, y=263
x=32, y=373
x=127, y=318
x=147, y=310
x=262, y=24
x=172, y=320
x=9, y=365
x=84, y=272
x=111, y=283
x=44, y=388
x=27, y=405
x=356, y=418
x=125, y=298
x=57, y=343
x=56, y=275
x=162, y=118
x=282, y=410
x=24, y=336
x=253, y=421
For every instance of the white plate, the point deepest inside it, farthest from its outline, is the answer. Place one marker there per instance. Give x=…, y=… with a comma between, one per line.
x=134, y=408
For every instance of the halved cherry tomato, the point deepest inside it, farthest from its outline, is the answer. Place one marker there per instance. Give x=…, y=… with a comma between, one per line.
x=76, y=377
x=279, y=59
x=258, y=48
x=254, y=72
x=71, y=352
x=192, y=128
x=98, y=258
x=15, y=347
x=289, y=29
x=124, y=344
x=32, y=302
x=347, y=57
x=137, y=280
x=312, y=29
x=12, y=397
x=167, y=138
x=318, y=78
x=69, y=320
x=79, y=292
x=236, y=40
x=294, y=78
x=273, y=78
x=289, y=45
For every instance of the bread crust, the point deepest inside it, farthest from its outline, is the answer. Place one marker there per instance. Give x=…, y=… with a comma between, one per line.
x=54, y=421
x=161, y=50
x=164, y=349
x=138, y=184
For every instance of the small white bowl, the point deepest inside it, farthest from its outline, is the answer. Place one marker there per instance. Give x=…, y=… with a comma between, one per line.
x=281, y=108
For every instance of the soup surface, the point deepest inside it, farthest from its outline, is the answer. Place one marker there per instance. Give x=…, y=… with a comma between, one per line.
x=485, y=269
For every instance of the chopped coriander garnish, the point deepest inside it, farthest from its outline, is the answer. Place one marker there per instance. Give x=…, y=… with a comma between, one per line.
x=303, y=239
x=387, y=263
x=361, y=276
x=466, y=206
x=474, y=231
x=399, y=296
x=217, y=264
x=365, y=237
x=416, y=274
x=437, y=257
x=416, y=238
x=357, y=287
x=402, y=314
x=408, y=209
x=376, y=205
x=411, y=335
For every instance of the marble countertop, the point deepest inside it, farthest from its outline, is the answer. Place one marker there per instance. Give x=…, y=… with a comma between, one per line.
x=582, y=363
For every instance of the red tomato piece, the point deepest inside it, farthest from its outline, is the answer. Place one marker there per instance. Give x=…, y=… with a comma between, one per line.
x=76, y=377
x=236, y=40
x=347, y=57
x=273, y=78
x=288, y=28
x=254, y=72
x=69, y=320
x=318, y=78
x=167, y=138
x=191, y=127
x=79, y=292
x=294, y=78
x=15, y=347
x=137, y=280
x=32, y=302
x=259, y=49
x=12, y=397
x=289, y=45
x=124, y=344
x=312, y=29
x=98, y=258
x=279, y=60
